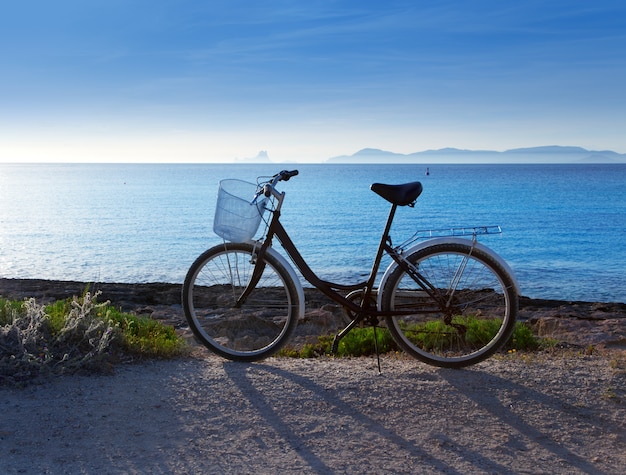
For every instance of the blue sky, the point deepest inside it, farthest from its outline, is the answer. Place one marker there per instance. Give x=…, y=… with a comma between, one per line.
x=190, y=80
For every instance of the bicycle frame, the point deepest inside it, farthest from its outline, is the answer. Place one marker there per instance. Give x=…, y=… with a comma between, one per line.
x=331, y=289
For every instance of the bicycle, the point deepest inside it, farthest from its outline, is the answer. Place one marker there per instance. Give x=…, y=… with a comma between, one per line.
x=448, y=301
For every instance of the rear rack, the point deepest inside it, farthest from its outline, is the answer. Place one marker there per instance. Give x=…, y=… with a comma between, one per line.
x=450, y=232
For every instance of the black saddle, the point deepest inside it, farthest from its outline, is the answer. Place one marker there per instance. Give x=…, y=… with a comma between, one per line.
x=401, y=195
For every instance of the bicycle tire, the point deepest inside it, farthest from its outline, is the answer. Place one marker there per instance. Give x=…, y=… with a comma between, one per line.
x=261, y=325
x=478, y=318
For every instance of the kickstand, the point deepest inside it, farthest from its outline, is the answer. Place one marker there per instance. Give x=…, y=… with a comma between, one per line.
x=376, y=348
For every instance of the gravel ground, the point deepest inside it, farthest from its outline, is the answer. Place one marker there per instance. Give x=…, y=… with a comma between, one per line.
x=558, y=413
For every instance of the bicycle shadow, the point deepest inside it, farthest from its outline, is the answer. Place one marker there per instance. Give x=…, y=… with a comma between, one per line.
x=481, y=390
x=488, y=398
x=369, y=428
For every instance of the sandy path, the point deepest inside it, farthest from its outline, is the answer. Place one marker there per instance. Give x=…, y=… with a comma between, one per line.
x=557, y=414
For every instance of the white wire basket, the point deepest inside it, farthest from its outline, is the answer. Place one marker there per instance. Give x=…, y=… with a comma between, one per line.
x=237, y=218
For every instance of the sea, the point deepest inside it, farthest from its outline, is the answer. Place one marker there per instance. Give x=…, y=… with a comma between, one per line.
x=563, y=226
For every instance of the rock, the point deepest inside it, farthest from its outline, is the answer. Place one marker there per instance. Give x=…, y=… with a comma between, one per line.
x=600, y=324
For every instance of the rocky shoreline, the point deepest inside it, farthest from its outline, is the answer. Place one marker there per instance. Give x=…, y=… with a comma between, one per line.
x=601, y=324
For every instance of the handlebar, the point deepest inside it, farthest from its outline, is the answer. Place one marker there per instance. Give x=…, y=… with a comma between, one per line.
x=284, y=175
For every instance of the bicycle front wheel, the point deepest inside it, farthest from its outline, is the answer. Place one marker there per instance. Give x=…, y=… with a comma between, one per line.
x=467, y=313
x=252, y=330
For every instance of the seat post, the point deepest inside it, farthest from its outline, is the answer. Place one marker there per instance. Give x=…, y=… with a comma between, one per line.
x=392, y=213
x=381, y=248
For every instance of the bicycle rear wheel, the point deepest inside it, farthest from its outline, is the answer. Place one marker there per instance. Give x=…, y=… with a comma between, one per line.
x=258, y=327
x=473, y=313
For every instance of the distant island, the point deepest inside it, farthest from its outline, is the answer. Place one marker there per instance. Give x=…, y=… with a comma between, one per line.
x=546, y=154
x=262, y=157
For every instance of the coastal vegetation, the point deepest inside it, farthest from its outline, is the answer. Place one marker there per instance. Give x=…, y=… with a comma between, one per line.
x=83, y=335
x=77, y=335
x=361, y=342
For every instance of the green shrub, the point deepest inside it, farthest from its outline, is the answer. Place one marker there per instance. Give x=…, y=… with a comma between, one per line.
x=140, y=336
x=523, y=339
x=143, y=336
x=76, y=335
x=9, y=310
x=360, y=341
x=57, y=313
x=34, y=344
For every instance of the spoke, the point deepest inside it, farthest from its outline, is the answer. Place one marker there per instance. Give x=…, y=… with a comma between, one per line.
x=456, y=279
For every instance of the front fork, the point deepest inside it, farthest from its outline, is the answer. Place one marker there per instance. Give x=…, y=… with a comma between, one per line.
x=259, y=266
